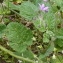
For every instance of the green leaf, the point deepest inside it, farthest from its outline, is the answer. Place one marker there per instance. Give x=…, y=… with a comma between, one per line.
x=49, y=19
x=58, y=2
x=48, y=51
x=40, y=24
x=59, y=32
x=59, y=35
x=2, y=27
x=19, y=36
x=59, y=42
x=28, y=54
x=45, y=38
x=59, y=59
x=12, y=6
x=36, y=1
x=2, y=11
x=28, y=10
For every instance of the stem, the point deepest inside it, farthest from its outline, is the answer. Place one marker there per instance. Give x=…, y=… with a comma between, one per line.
x=16, y=56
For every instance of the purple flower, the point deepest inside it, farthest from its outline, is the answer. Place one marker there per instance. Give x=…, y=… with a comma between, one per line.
x=43, y=7
x=45, y=0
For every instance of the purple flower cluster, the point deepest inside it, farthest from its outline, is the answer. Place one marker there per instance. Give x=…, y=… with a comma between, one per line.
x=43, y=7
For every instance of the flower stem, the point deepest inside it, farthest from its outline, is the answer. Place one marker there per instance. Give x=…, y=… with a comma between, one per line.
x=16, y=56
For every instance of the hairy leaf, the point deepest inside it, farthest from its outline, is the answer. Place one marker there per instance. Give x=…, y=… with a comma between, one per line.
x=19, y=36
x=28, y=10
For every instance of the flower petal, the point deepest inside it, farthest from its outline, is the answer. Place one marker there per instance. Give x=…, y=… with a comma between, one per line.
x=45, y=8
x=41, y=6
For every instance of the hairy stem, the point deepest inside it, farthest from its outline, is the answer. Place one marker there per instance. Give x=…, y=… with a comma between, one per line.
x=16, y=56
